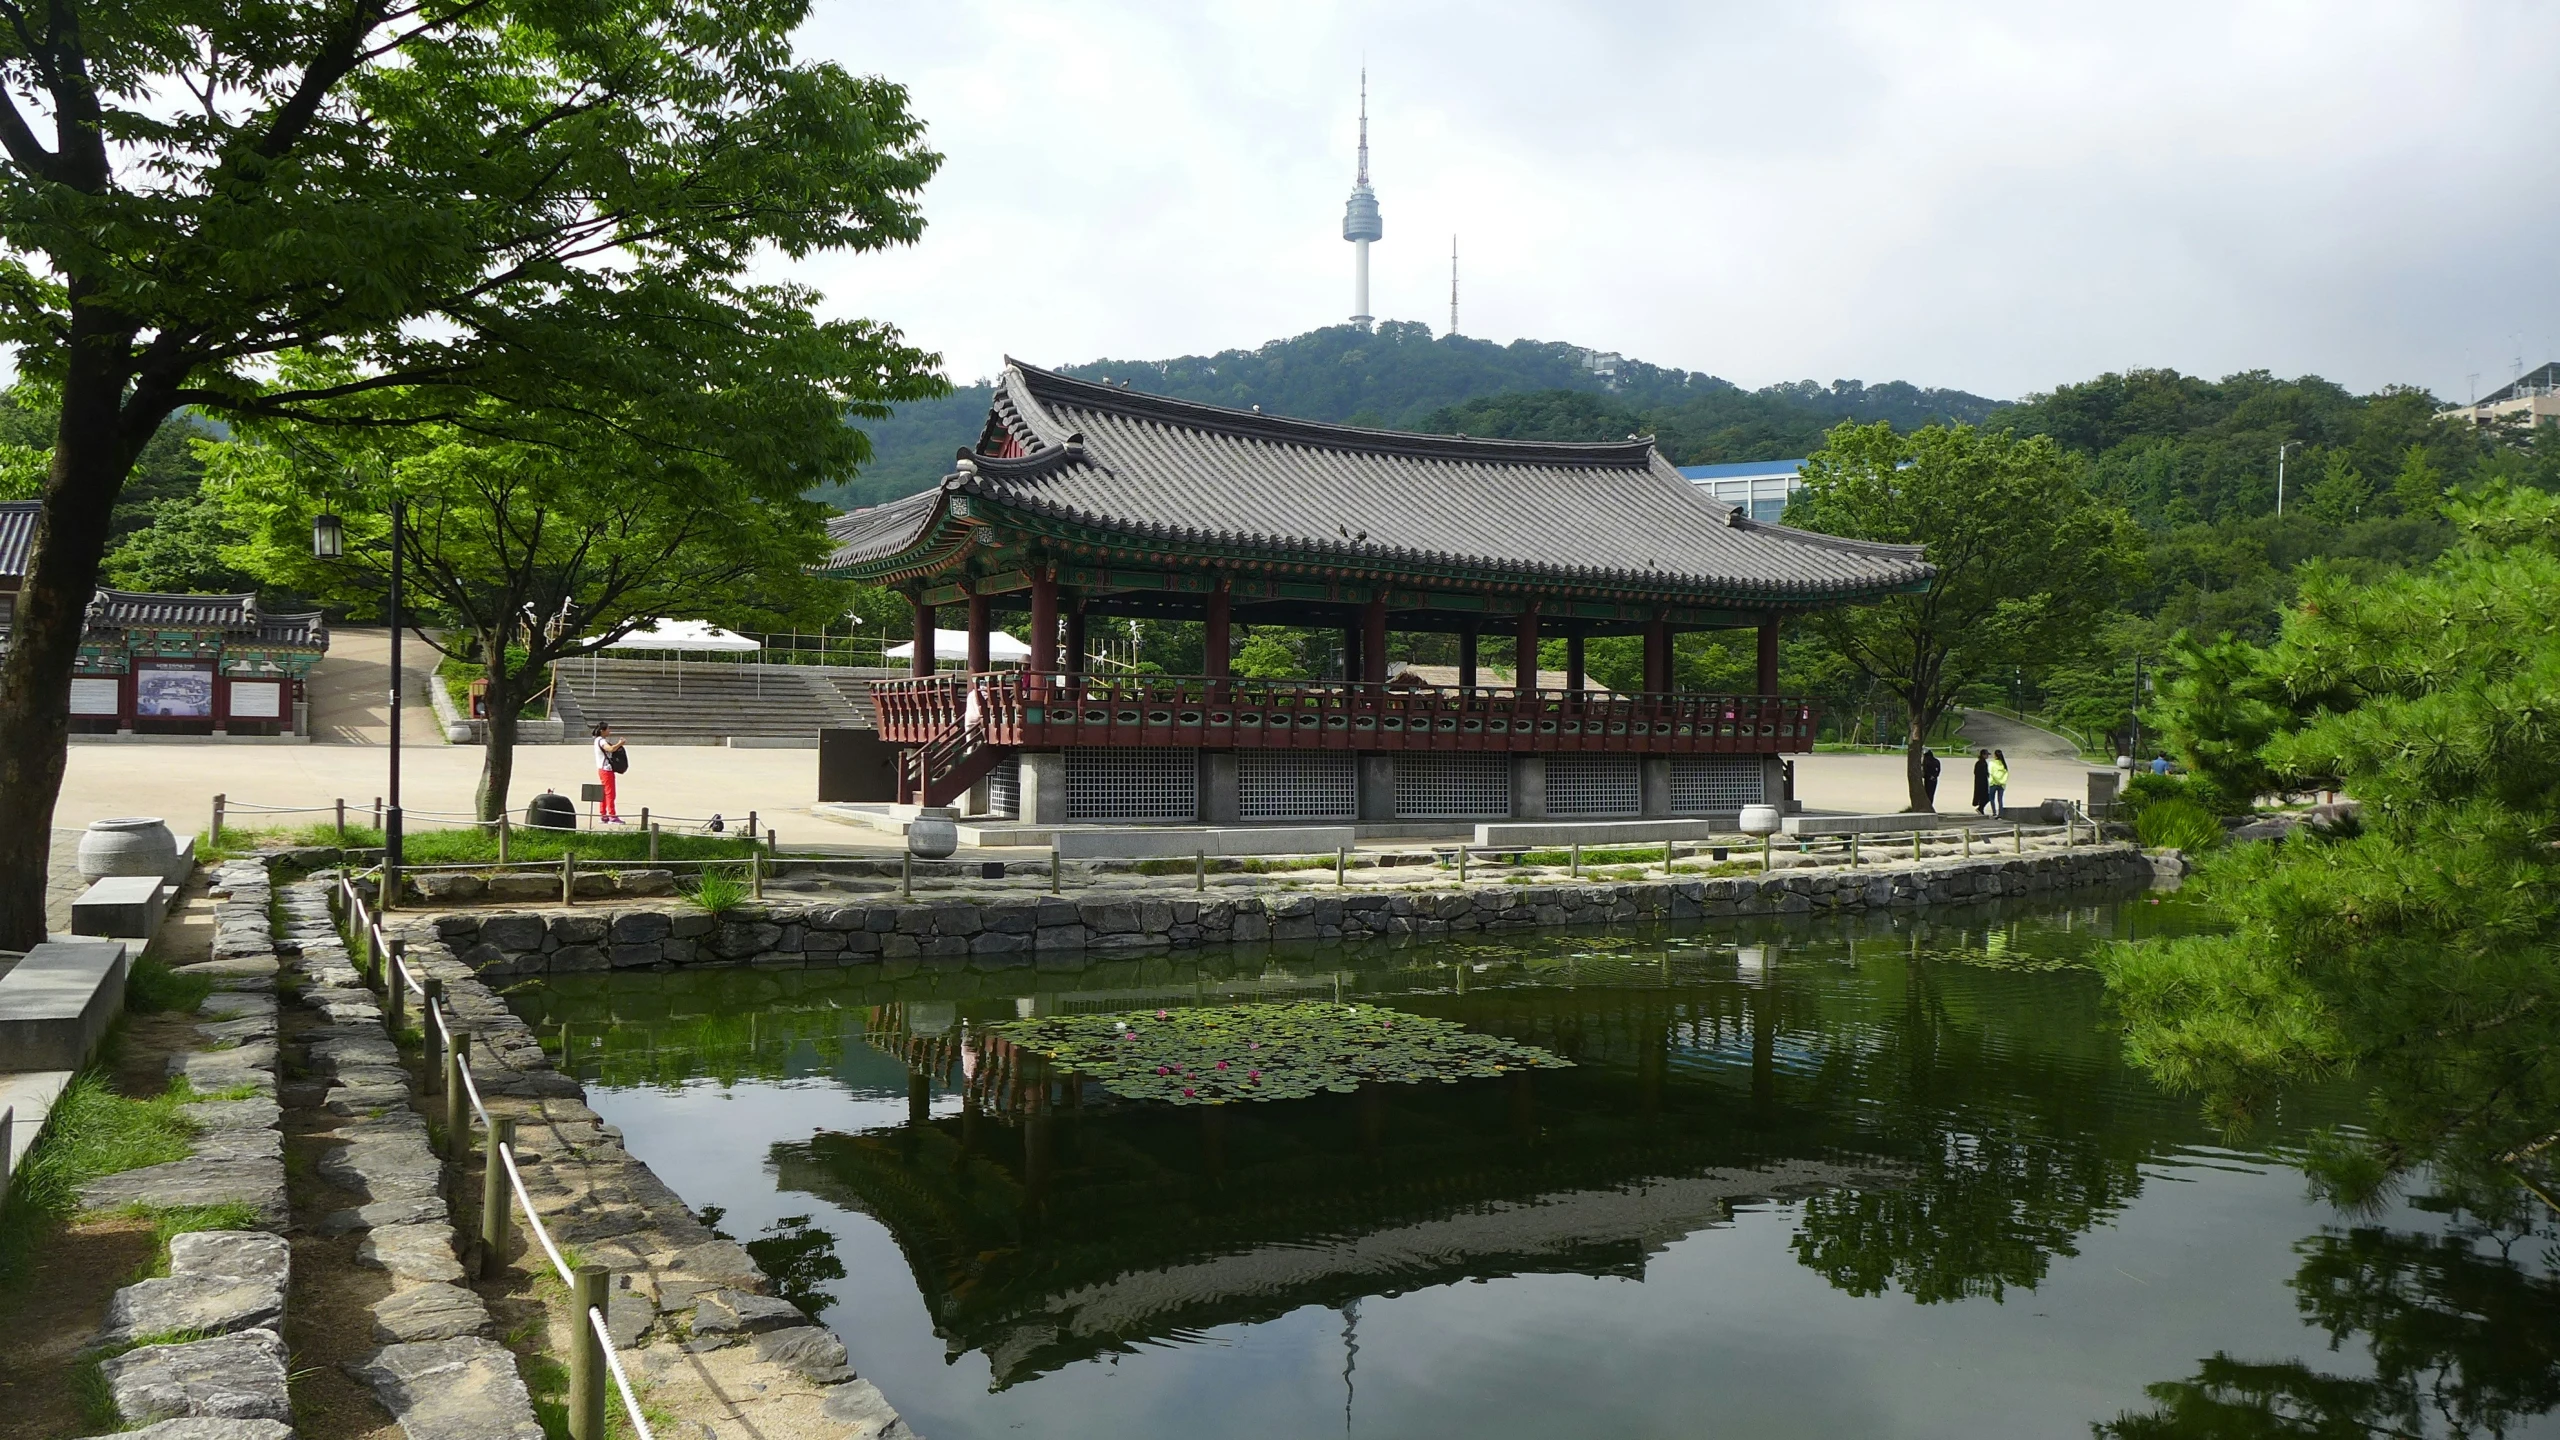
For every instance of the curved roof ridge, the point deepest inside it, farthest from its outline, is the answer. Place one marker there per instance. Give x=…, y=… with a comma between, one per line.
x=1284, y=429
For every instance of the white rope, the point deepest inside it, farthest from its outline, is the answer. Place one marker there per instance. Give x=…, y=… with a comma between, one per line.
x=622, y=1382
x=507, y=1156
x=472, y=1090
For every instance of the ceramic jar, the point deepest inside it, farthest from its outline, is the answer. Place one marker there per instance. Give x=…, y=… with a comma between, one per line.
x=932, y=837
x=132, y=845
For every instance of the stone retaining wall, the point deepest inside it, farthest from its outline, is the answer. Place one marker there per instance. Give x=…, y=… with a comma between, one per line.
x=1003, y=929
x=690, y=1310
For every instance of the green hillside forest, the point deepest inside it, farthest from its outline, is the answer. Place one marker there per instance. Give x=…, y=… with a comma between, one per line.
x=1402, y=377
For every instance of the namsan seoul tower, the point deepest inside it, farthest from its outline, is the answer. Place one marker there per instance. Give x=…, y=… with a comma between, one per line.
x=1360, y=217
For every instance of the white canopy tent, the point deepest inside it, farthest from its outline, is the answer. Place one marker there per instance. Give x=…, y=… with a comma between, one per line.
x=1002, y=649
x=677, y=638
x=684, y=635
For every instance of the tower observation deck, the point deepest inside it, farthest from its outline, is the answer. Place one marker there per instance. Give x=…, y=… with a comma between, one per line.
x=1360, y=223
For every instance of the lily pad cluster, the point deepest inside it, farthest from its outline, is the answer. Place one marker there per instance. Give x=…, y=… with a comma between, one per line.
x=1267, y=1052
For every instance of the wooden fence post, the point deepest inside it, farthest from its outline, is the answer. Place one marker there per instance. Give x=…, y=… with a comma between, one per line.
x=587, y=1291
x=568, y=877
x=394, y=999
x=214, y=840
x=430, y=1021
x=494, y=1196
x=457, y=1100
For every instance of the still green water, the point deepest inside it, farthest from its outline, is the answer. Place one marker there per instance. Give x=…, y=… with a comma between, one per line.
x=1881, y=1177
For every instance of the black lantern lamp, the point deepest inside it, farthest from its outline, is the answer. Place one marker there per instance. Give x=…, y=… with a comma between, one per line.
x=328, y=537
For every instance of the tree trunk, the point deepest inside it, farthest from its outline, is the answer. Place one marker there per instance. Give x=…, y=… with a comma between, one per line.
x=91, y=457
x=498, y=755
x=1915, y=757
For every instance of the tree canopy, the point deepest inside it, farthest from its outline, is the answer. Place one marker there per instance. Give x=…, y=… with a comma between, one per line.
x=2026, y=559
x=554, y=205
x=2413, y=950
x=526, y=554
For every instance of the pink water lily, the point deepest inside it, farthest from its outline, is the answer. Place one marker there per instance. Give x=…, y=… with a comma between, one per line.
x=1188, y=1094
x=1164, y=1069
x=1222, y=1064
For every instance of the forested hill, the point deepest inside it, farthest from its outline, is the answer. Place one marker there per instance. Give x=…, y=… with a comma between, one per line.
x=1403, y=377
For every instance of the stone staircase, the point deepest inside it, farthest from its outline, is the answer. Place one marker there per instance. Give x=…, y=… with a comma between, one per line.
x=648, y=702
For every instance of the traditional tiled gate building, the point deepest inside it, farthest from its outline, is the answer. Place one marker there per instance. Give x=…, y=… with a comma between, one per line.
x=1084, y=500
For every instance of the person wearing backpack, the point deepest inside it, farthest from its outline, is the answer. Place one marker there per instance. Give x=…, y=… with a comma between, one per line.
x=611, y=761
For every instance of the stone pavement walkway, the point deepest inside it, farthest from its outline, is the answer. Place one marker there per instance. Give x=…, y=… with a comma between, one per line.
x=437, y=1370
x=225, y=1291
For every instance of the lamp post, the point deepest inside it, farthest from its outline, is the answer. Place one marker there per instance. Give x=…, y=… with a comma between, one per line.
x=2280, y=454
x=329, y=542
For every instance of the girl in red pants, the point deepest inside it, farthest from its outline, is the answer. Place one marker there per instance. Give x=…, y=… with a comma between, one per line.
x=609, y=763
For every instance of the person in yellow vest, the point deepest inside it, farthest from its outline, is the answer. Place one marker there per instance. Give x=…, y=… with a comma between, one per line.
x=1999, y=785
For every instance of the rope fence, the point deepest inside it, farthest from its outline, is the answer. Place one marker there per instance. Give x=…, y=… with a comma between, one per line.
x=592, y=1355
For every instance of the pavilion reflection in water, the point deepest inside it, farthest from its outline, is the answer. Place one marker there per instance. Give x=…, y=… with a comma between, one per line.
x=1046, y=1223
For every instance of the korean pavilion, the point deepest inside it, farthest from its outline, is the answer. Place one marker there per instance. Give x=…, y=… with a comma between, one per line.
x=1083, y=500
x=176, y=664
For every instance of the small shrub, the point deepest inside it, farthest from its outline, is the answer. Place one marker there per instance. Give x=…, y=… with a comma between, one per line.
x=2177, y=823
x=718, y=892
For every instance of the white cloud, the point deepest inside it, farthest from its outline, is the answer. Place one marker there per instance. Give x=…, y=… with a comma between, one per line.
x=1993, y=197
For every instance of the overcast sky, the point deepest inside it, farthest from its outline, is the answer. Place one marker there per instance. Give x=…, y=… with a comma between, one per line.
x=1991, y=197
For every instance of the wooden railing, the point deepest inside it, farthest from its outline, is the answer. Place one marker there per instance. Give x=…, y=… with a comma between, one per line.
x=1044, y=711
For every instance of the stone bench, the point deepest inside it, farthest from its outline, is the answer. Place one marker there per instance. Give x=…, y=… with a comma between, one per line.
x=1177, y=842
x=1901, y=823
x=123, y=906
x=57, y=1002
x=1548, y=834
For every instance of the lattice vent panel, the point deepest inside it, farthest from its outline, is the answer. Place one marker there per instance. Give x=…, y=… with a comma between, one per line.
x=1297, y=785
x=1593, y=785
x=1453, y=787
x=1715, y=784
x=1133, y=784
x=1004, y=788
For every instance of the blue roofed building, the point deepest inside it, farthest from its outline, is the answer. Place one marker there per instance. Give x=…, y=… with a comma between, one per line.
x=1760, y=487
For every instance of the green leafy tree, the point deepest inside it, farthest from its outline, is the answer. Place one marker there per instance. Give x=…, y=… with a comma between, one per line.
x=2413, y=951
x=2027, y=559
x=2419, y=486
x=529, y=554
x=553, y=204
x=2341, y=494
x=1269, y=655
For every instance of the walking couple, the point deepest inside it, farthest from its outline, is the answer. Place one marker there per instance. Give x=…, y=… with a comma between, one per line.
x=1991, y=784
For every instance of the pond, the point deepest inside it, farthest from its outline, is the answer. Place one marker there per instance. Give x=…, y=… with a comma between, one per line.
x=1889, y=1176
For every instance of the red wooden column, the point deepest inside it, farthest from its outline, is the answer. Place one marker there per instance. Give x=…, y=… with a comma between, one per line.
x=1373, y=640
x=1044, y=621
x=1524, y=652
x=1573, y=672
x=1214, y=645
x=1467, y=656
x=921, y=661
x=1075, y=636
x=978, y=627
x=1657, y=656
x=1769, y=656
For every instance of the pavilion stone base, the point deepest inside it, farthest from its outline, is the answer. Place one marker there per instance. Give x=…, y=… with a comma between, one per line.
x=1251, y=787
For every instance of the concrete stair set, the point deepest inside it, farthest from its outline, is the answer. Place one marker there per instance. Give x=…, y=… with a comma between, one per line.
x=652, y=703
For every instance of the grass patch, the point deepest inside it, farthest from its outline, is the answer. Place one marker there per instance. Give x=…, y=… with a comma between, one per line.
x=168, y=1222
x=1248, y=866
x=717, y=892
x=93, y=1131
x=153, y=986
x=480, y=847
